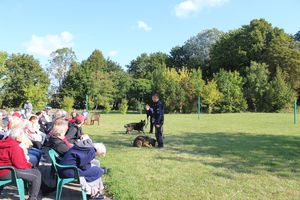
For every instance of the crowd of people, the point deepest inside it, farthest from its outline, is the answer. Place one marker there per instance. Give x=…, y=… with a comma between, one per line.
x=26, y=137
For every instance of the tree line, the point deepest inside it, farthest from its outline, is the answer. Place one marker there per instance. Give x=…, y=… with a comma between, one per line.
x=253, y=68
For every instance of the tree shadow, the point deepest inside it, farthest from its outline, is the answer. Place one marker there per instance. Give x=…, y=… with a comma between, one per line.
x=241, y=152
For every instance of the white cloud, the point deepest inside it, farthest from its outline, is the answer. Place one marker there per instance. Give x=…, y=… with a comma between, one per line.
x=188, y=7
x=142, y=25
x=45, y=45
x=113, y=53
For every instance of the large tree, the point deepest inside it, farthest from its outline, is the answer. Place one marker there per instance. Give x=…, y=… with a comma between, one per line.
x=144, y=65
x=22, y=73
x=256, y=87
x=195, y=51
x=261, y=42
x=297, y=36
x=60, y=61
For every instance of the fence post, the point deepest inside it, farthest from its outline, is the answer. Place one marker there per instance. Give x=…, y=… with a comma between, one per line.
x=86, y=102
x=199, y=107
x=295, y=112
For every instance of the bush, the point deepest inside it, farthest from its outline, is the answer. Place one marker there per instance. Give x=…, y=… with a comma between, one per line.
x=107, y=108
x=256, y=87
x=280, y=94
x=124, y=106
x=67, y=103
x=230, y=85
x=211, y=95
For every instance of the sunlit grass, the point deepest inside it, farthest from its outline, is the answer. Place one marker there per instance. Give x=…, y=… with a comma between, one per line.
x=224, y=156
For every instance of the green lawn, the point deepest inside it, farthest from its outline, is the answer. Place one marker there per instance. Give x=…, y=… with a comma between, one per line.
x=222, y=156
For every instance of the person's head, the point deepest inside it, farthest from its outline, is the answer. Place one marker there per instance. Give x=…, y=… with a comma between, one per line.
x=100, y=149
x=58, y=114
x=39, y=114
x=155, y=98
x=16, y=122
x=33, y=119
x=60, y=127
x=74, y=114
x=79, y=120
x=27, y=101
x=19, y=135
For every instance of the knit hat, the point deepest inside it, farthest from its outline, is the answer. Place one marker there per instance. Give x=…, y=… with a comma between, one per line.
x=79, y=119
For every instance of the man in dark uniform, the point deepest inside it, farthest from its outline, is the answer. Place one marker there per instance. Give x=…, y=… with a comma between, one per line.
x=157, y=112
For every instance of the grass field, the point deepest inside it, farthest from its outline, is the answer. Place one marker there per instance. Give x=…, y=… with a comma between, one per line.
x=221, y=156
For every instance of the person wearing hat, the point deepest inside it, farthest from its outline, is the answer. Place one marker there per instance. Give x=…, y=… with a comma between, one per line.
x=74, y=132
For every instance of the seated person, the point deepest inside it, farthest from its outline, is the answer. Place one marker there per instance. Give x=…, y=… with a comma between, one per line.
x=81, y=155
x=33, y=131
x=33, y=153
x=43, y=124
x=74, y=132
x=12, y=153
x=57, y=140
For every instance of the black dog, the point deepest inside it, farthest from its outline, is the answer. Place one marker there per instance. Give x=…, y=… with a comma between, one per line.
x=144, y=141
x=135, y=126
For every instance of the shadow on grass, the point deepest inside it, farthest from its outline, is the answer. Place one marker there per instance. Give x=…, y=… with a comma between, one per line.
x=243, y=153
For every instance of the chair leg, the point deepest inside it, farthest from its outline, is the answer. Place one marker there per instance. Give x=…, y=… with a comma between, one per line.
x=83, y=193
x=59, y=189
x=21, y=189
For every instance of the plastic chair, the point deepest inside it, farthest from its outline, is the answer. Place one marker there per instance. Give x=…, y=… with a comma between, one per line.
x=14, y=180
x=62, y=181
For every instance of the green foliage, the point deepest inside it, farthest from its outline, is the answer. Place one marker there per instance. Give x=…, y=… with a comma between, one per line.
x=280, y=94
x=256, y=87
x=259, y=42
x=22, y=71
x=166, y=83
x=107, y=107
x=124, y=106
x=36, y=95
x=211, y=95
x=144, y=65
x=195, y=51
x=91, y=77
x=140, y=90
x=91, y=104
x=230, y=85
x=67, y=103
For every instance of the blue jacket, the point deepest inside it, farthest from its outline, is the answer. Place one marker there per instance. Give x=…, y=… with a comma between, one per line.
x=158, y=113
x=81, y=156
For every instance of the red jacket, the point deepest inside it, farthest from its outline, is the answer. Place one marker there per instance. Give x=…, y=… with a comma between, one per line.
x=11, y=154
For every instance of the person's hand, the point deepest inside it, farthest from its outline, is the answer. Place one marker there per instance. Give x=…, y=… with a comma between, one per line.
x=84, y=137
x=157, y=125
x=147, y=107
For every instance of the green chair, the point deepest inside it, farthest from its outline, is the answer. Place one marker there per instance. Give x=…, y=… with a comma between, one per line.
x=62, y=181
x=14, y=180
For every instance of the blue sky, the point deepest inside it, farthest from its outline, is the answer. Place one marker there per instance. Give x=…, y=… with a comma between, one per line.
x=124, y=29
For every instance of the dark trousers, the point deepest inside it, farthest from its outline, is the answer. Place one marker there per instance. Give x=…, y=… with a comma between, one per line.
x=33, y=176
x=151, y=126
x=159, y=135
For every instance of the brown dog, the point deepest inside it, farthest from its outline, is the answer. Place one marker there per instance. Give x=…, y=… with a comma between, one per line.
x=144, y=141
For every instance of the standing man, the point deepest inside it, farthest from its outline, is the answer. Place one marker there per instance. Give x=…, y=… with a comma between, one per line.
x=27, y=107
x=158, y=118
